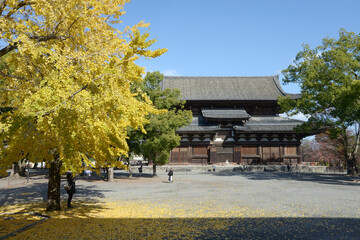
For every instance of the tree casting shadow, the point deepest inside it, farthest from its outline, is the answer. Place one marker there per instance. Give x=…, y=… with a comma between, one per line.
x=202, y=228
x=336, y=179
x=35, y=192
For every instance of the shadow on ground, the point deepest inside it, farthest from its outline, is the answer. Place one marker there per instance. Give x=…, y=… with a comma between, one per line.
x=195, y=228
x=117, y=175
x=36, y=192
x=22, y=218
x=336, y=179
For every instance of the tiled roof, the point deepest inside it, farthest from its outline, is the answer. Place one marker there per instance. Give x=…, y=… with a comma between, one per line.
x=238, y=113
x=199, y=124
x=254, y=124
x=227, y=88
x=269, y=124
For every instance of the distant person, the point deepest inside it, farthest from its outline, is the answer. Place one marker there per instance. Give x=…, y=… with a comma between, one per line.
x=170, y=174
x=288, y=167
x=214, y=167
x=70, y=188
x=140, y=170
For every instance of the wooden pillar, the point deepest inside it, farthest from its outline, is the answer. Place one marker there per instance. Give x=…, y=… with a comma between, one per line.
x=189, y=154
x=297, y=153
x=237, y=154
x=260, y=152
x=213, y=154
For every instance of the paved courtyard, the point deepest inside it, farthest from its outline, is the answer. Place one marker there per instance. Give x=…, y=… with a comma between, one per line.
x=203, y=205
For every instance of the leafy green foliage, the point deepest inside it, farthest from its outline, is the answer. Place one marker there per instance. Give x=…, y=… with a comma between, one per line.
x=329, y=77
x=160, y=137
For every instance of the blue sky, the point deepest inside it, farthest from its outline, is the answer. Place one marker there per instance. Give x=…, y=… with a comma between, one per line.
x=236, y=37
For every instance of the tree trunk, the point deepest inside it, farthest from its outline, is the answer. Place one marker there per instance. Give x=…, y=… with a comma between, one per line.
x=23, y=170
x=356, y=148
x=348, y=166
x=351, y=165
x=53, y=196
x=15, y=169
x=154, y=170
x=110, y=174
x=130, y=172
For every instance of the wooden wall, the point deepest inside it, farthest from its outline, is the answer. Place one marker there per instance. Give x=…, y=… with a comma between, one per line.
x=238, y=154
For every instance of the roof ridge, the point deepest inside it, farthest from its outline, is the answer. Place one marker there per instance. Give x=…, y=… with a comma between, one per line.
x=226, y=87
x=278, y=85
x=270, y=76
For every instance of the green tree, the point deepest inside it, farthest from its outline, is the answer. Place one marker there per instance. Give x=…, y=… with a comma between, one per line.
x=67, y=79
x=330, y=86
x=160, y=137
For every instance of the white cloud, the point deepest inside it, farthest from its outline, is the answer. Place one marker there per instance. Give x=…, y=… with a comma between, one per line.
x=298, y=116
x=170, y=72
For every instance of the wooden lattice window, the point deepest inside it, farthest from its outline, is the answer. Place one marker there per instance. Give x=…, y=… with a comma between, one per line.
x=224, y=154
x=290, y=150
x=175, y=155
x=179, y=155
x=271, y=153
x=249, y=150
x=200, y=150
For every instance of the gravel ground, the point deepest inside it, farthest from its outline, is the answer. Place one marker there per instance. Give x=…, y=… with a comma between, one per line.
x=281, y=205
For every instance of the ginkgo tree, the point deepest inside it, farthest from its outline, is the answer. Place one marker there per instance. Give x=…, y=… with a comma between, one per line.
x=66, y=79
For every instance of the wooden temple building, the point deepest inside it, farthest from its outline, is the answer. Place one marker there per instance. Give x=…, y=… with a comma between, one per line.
x=235, y=119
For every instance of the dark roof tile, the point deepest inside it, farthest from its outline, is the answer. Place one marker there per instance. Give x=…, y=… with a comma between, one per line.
x=226, y=88
x=269, y=124
x=238, y=113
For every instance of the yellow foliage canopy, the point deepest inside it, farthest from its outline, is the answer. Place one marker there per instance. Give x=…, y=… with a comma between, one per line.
x=65, y=76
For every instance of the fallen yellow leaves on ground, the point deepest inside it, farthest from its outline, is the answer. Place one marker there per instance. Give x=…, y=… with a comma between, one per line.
x=109, y=220
x=175, y=219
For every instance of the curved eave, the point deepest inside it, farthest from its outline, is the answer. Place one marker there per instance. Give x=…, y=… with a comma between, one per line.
x=257, y=88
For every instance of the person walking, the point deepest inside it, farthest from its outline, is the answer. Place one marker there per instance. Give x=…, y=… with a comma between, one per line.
x=170, y=174
x=140, y=170
x=70, y=188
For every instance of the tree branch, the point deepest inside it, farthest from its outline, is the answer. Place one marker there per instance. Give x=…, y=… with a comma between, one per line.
x=47, y=38
x=2, y=5
x=72, y=95
x=8, y=49
x=357, y=139
x=14, y=46
x=83, y=88
x=12, y=76
x=20, y=5
x=72, y=24
x=8, y=89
